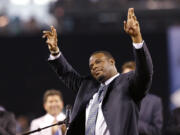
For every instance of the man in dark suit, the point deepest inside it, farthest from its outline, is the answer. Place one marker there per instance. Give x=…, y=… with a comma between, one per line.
x=7, y=123
x=150, y=117
x=108, y=102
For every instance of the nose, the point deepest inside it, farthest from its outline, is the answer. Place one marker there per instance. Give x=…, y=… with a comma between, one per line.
x=94, y=67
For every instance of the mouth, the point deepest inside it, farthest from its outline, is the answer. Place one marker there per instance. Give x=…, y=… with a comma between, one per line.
x=97, y=72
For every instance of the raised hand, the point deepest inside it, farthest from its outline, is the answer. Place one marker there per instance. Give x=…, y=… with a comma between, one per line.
x=51, y=40
x=131, y=26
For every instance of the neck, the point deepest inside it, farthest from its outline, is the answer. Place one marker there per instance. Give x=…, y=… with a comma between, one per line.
x=112, y=74
x=55, y=115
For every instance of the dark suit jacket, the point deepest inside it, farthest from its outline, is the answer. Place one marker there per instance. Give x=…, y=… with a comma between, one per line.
x=174, y=124
x=150, y=117
x=120, y=105
x=7, y=123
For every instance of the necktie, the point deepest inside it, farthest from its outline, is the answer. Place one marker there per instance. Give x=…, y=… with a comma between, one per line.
x=55, y=128
x=57, y=133
x=91, y=122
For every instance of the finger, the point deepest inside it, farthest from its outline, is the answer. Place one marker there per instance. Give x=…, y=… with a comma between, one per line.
x=47, y=32
x=130, y=13
x=134, y=17
x=137, y=24
x=45, y=36
x=130, y=31
x=49, y=44
x=131, y=10
x=54, y=33
x=52, y=29
x=125, y=25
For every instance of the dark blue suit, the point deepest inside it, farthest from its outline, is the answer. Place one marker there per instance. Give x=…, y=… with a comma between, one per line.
x=150, y=117
x=121, y=102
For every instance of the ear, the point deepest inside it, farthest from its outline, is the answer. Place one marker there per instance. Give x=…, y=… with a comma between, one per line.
x=112, y=61
x=44, y=105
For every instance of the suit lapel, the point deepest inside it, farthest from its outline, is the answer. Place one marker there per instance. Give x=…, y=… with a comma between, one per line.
x=111, y=86
x=87, y=95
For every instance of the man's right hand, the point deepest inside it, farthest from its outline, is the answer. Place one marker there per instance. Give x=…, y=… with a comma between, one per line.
x=51, y=40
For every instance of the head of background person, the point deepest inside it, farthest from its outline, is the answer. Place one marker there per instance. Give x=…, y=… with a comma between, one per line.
x=53, y=102
x=102, y=65
x=128, y=66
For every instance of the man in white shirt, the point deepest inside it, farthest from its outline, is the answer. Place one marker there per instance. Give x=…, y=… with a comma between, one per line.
x=53, y=105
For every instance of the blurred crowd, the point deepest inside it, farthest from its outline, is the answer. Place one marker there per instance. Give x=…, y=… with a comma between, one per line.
x=31, y=18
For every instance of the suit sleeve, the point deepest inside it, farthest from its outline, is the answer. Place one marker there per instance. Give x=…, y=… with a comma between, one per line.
x=11, y=126
x=66, y=73
x=142, y=76
x=155, y=126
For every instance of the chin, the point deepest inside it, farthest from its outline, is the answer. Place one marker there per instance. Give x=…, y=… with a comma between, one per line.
x=100, y=78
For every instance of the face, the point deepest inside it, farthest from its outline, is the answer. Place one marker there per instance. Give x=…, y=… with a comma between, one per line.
x=102, y=68
x=126, y=70
x=53, y=105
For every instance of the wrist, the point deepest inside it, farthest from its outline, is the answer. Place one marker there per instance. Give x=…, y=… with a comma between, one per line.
x=137, y=39
x=55, y=52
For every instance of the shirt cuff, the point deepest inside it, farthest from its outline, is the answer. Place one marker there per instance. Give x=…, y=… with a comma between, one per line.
x=138, y=45
x=51, y=57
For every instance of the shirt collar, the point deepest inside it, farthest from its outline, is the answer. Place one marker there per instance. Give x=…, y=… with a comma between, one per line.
x=49, y=118
x=107, y=82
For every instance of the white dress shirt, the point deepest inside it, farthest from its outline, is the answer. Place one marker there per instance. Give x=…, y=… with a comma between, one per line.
x=44, y=121
x=101, y=126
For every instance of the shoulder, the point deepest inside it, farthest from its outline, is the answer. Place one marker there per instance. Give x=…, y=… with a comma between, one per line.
x=153, y=97
x=127, y=76
x=38, y=120
x=7, y=114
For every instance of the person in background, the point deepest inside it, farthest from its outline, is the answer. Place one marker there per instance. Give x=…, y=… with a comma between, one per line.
x=53, y=105
x=150, y=117
x=7, y=122
x=22, y=125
